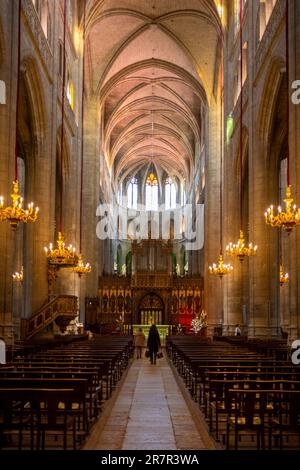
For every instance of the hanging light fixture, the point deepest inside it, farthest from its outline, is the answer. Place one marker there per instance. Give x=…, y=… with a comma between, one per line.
x=81, y=267
x=62, y=254
x=16, y=213
x=290, y=217
x=220, y=268
x=18, y=276
x=241, y=249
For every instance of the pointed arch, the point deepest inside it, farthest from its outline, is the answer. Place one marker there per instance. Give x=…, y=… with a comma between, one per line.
x=271, y=88
x=34, y=86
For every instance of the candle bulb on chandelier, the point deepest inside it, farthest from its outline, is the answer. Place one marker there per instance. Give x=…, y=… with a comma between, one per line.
x=15, y=213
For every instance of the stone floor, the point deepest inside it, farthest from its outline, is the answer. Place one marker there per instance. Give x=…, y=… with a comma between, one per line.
x=150, y=410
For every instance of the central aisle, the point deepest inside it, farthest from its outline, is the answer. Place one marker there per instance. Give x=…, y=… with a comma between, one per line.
x=150, y=412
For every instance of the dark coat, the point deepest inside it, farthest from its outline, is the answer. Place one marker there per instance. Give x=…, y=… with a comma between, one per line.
x=153, y=342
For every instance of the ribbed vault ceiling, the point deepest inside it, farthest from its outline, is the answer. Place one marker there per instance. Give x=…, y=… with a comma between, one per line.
x=152, y=64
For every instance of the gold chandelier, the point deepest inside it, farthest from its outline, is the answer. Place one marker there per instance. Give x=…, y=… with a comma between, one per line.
x=62, y=255
x=290, y=217
x=18, y=277
x=15, y=213
x=283, y=277
x=241, y=249
x=220, y=269
x=287, y=219
x=82, y=268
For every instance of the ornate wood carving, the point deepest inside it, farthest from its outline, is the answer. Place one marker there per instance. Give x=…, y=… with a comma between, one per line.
x=62, y=310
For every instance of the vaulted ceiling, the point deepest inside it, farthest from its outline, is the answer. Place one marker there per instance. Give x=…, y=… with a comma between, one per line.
x=152, y=64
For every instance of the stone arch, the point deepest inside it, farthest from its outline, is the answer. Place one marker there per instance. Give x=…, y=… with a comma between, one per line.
x=270, y=92
x=32, y=79
x=275, y=152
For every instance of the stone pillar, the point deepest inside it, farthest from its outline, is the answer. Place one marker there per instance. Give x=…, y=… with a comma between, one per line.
x=213, y=287
x=91, y=244
x=294, y=259
x=232, y=291
x=7, y=151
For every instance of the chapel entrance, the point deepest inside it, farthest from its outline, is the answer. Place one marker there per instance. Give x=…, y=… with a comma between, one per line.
x=151, y=310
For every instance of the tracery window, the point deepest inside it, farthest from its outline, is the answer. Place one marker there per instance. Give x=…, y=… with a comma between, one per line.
x=170, y=194
x=70, y=91
x=151, y=193
x=132, y=194
x=183, y=196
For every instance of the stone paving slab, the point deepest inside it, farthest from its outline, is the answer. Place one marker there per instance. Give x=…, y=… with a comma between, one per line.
x=149, y=413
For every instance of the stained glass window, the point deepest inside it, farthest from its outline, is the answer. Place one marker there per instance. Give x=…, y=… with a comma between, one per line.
x=151, y=193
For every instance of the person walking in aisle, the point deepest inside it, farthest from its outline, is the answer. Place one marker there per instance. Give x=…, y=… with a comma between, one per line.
x=139, y=343
x=153, y=343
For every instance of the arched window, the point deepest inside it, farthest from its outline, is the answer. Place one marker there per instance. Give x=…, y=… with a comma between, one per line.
x=151, y=193
x=70, y=91
x=183, y=195
x=238, y=80
x=170, y=194
x=132, y=194
x=282, y=180
x=43, y=12
x=44, y=17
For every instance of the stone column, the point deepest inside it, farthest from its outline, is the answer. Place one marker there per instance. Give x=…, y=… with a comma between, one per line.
x=91, y=177
x=232, y=291
x=7, y=151
x=294, y=259
x=213, y=287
